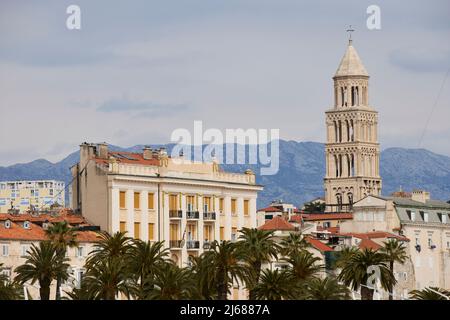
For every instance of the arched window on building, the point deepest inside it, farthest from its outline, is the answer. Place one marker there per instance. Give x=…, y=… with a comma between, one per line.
x=339, y=201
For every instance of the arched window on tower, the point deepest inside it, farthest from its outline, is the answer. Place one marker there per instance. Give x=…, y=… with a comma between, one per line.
x=352, y=133
x=357, y=96
x=336, y=133
x=340, y=130
x=339, y=201
x=353, y=95
x=342, y=96
x=340, y=165
x=350, y=199
x=349, y=168
x=352, y=166
x=347, y=126
x=336, y=165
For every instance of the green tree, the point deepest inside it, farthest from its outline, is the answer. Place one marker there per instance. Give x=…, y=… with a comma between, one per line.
x=356, y=270
x=145, y=259
x=257, y=247
x=275, y=285
x=314, y=207
x=203, y=275
x=303, y=266
x=293, y=243
x=62, y=236
x=427, y=294
x=43, y=264
x=223, y=259
x=8, y=289
x=107, y=267
x=326, y=289
x=172, y=283
x=394, y=251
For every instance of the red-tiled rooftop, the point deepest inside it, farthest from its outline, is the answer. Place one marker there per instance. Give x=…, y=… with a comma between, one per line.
x=138, y=158
x=319, y=245
x=376, y=235
x=322, y=216
x=270, y=209
x=369, y=244
x=277, y=224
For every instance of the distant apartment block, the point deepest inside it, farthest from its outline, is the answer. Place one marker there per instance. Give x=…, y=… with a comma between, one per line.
x=25, y=195
x=155, y=197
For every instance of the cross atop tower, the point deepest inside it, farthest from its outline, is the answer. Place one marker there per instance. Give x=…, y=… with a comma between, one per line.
x=350, y=30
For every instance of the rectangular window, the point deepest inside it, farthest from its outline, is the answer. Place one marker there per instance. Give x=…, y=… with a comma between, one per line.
x=425, y=217
x=137, y=204
x=25, y=248
x=174, y=234
x=151, y=227
x=190, y=203
x=5, y=250
x=206, y=204
x=222, y=233
x=122, y=199
x=246, y=207
x=137, y=229
x=123, y=226
x=173, y=202
x=207, y=233
x=233, y=206
x=221, y=204
x=151, y=201
x=80, y=252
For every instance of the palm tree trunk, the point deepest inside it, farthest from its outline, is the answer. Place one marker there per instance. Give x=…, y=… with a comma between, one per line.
x=366, y=293
x=58, y=288
x=44, y=290
x=391, y=290
x=222, y=288
x=257, y=268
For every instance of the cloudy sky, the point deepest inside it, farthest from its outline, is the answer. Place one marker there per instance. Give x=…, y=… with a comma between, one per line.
x=137, y=70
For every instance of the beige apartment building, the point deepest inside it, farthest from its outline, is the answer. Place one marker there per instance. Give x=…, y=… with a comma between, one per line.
x=425, y=222
x=25, y=195
x=154, y=197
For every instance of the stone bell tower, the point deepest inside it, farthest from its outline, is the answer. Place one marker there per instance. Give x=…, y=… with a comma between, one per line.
x=352, y=150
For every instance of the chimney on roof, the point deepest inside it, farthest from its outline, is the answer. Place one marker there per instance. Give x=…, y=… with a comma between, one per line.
x=420, y=196
x=102, y=150
x=147, y=153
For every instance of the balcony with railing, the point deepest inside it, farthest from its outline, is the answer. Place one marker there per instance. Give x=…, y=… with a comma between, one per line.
x=190, y=215
x=207, y=244
x=192, y=244
x=175, y=244
x=175, y=214
x=209, y=216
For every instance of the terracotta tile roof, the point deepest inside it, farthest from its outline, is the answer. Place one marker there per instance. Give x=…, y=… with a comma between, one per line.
x=271, y=209
x=87, y=236
x=368, y=244
x=138, y=158
x=376, y=235
x=325, y=216
x=319, y=245
x=297, y=218
x=18, y=232
x=65, y=216
x=334, y=230
x=277, y=223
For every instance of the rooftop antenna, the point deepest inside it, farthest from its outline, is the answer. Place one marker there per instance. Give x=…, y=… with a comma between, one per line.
x=350, y=30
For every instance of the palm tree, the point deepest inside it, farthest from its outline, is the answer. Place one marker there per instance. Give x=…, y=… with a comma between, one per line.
x=43, y=264
x=293, y=243
x=394, y=251
x=108, y=266
x=257, y=247
x=427, y=294
x=223, y=259
x=344, y=255
x=110, y=247
x=106, y=278
x=8, y=290
x=203, y=275
x=314, y=207
x=62, y=236
x=326, y=289
x=355, y=272
x=144, y=260
x=275, y=285
x=303, y=265
x=172, y=283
